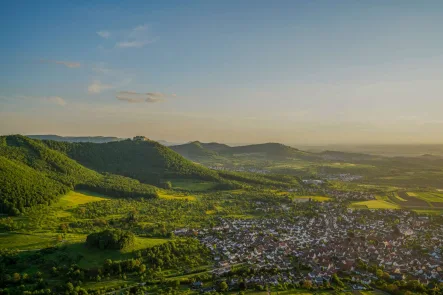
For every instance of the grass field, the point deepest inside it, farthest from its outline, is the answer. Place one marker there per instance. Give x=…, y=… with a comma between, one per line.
x=374, y=204
x=314, y=198
x=73, y=199
x=191, y=185
x=96, y=257
x=396, y=196
x=175, y=196
x=382, y=198
x=25, y=241
x=429, y=197
x=19, y=241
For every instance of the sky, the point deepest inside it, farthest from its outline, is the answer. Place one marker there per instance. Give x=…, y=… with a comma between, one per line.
x=295, y=72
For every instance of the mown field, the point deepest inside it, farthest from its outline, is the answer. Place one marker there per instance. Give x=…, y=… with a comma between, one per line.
x=418, y=200
x=374, y=204
x=33, y=237
x=313, y=198
x=421, y=202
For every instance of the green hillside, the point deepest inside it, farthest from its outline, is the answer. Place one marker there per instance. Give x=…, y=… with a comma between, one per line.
x=271, y=150
x=22, y=186
x=199, y=151
x=147, y=161
x=31, y=174
x=194, y=151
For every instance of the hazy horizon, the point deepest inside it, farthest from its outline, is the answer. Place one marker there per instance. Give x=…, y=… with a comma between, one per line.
x=298, y=73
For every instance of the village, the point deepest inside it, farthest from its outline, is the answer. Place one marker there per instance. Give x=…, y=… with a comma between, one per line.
x=328, y=239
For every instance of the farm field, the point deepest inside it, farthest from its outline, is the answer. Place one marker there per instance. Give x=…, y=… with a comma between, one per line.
x=75, y=198
x=408, y=201
x=396, y=196
x=175, y=196
x=430, y=197
x=314, y=198
x=374, y=204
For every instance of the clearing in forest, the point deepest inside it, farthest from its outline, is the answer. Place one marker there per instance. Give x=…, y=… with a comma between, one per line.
x=175, y=196
x=73, y=199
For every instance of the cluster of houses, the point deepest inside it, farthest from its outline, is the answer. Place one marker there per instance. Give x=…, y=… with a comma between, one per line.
x=346, y=177
x=330, y=239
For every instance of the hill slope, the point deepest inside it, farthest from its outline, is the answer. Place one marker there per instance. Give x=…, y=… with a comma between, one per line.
x=194, y=151
x=31, y=173
x=272, y=150
x=147, y=161
x=204, y=151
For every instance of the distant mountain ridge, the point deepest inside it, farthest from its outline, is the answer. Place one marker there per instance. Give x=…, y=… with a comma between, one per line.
x=197, y=150
x=95, y=139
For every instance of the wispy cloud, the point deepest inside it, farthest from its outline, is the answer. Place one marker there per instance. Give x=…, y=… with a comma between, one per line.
x=98, y=87
x=136, y=37
x=135, y=97
x=104, y=34
x=68, y=64
x=57, y=100
x=133, y=44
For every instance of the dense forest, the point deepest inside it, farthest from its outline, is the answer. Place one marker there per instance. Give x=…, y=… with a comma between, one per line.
x=200, y=151
x=22, y=186
x=37, y=172
x=31, y=174
x=147, y=161
x=111, y=239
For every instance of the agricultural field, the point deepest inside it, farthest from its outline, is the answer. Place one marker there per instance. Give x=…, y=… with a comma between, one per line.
x=75, y=198
x=397, y=197
x=374, y=204
x=314, y=198
x=404, y=200
x=175, y=196
x=428, y=196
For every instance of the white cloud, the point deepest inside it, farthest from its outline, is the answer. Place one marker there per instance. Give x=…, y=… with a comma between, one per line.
x=136, y=37
x=47, y=99
x=135, y=97
x=98, y=87
x=56, y=100
x=131, y=44
x=68, y=64
x=104, y=34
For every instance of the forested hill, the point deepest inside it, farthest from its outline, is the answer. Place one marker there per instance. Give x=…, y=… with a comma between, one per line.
x=271, y=150
x=147, y=161
x=196, y=150
x=95, y=139
x=31, y=174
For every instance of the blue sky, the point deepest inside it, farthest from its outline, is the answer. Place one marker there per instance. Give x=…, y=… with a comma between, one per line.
x=298, y=72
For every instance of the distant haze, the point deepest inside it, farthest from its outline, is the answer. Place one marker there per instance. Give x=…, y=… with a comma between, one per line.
x=238, y=72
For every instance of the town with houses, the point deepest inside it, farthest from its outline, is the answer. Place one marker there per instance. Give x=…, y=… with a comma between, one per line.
x=329, y=239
